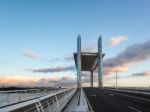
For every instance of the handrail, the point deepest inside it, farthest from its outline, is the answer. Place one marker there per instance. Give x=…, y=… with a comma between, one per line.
x=54, y=102
x=28, y=90
x=15, y=96
x=13, y=91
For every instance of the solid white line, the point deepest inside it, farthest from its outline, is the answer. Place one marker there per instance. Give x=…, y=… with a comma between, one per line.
x=134, y=97
x=134, y=109
x=131, y=91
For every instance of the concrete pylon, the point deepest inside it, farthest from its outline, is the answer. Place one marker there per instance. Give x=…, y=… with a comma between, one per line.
x=79, y=61
x=91, y=78
x=100, y=74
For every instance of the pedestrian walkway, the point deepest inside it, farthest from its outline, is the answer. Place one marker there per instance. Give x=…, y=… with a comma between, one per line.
x=73, y=103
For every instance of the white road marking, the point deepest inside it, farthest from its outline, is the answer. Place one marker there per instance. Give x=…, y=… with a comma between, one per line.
x=111, y=94
x=93, y=95
x=133, y=97
x=140, y=92
x=134, y=109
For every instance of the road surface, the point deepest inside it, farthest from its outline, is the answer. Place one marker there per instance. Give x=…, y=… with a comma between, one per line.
x=103, y=100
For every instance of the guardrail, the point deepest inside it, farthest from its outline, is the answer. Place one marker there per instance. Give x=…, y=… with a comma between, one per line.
x=54, y=102
x=14, y=96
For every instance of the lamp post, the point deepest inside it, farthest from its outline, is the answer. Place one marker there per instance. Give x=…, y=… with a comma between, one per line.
x=115, y=70
x=116, y=80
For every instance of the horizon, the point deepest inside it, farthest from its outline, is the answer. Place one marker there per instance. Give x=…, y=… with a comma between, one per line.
x=38, y=39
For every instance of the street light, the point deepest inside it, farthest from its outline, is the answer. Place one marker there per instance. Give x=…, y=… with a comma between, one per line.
x=116, y=79
x=116, y=74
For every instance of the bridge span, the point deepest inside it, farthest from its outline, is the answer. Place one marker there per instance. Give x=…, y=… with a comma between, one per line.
x=88, y=99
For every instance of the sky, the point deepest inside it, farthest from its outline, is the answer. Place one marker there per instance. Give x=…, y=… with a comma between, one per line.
x=38, y=39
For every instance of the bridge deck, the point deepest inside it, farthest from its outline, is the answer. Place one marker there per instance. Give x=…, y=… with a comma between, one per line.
x=104, y=100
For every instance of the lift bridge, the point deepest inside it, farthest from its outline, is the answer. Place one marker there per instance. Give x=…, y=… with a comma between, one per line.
x=98, y=99
x=73, y=99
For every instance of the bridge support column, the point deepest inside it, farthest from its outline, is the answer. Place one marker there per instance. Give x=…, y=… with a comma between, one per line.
x=79, y=61
x=91, y=78
x=100, y=74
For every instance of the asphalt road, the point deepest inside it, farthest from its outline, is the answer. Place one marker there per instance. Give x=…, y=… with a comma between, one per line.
x=103, y=100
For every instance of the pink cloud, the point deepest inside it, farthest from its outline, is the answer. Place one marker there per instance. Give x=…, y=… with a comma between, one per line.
x=52, y=70
x=32, y=54
x=117, y=40
x=24, y=81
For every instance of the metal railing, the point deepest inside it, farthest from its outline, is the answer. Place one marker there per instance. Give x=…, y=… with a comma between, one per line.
x=54, y=102
x=14, y=96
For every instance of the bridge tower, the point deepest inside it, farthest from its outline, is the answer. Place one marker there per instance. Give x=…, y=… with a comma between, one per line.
x=89, y=61
x=100, y=71
x=79, y=61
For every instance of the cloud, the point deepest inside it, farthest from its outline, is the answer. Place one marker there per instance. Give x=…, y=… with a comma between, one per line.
x=55, y=60
x=140, y=74
x=131, y=55
x=36, y=56
x=110, y=70
x=68, y=58
x=32, y=54
x=86, y=78
x=117, y=40
x=23, y=81
x=92, y=47
x=65, y=81
x=16, y=80
x=52, y=70
x=108, y=79
x=145, y=73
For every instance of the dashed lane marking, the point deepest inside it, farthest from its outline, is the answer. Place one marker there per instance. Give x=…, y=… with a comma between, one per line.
x=134, y=109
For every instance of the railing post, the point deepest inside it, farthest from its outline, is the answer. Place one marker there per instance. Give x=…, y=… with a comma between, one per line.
x=39, y=107
x=57, y=102
x=20, y=96
x=48, y=105
x=7, y=99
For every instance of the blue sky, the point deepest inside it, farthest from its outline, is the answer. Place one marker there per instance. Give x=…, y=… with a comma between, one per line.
x=48, y=30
